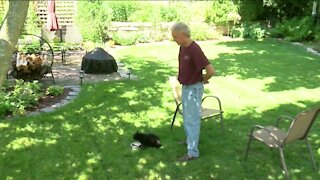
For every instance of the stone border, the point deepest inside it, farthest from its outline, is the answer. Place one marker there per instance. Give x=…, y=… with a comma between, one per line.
x=74, y=91
x=310, y=50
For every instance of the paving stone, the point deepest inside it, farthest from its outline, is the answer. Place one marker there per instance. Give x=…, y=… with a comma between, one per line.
x=64, y=102
x=34, y=113
x=72, y=93
x=48, y=109
x=76, y=89
x=57, y=105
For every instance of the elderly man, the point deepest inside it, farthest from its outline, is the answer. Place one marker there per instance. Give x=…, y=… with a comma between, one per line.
x=191, y=63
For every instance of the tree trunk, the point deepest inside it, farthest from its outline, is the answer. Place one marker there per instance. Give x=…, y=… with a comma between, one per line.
x=9, y=34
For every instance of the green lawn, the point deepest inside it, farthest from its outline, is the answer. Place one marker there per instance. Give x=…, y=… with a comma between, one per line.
x=89, y=139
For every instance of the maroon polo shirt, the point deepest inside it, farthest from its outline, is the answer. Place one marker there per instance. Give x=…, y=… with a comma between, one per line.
x=191, y=63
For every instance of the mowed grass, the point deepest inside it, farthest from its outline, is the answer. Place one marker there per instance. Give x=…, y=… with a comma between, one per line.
x=257, y=81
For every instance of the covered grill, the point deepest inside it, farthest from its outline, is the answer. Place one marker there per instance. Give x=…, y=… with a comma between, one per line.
x=98, y=61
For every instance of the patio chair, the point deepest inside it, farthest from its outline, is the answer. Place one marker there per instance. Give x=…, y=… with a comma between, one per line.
x=205, y=112
x=274, y=137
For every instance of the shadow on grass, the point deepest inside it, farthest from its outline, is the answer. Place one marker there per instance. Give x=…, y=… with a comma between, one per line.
x=89, y=138
x=290, y=66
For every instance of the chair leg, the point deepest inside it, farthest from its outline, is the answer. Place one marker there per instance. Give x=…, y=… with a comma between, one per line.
x=283, y=162
x=174, y=117
x=221, y=123
x=248, y=147
x=311, y=155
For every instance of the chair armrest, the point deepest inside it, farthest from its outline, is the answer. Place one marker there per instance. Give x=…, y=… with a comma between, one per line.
x=215, y=97
x=282, y=118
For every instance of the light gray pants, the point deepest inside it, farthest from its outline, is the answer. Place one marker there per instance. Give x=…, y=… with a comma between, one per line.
x=191, y=111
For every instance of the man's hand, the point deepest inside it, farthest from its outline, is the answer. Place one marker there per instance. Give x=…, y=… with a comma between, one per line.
x=210, y=71
x=205, y=81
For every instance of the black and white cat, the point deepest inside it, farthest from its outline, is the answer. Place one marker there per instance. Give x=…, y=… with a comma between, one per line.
x=147, y=140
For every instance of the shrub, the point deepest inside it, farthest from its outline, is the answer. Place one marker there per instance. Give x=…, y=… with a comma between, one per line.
x=54, y=90
x=30, y=48
x=252, y=31
x=22, y=95
x=130, y=38
x=203, y=32
x=4, y=104
x=32, y=25
x=144, y=37
x=219, y=12
x=168, y=13
x=121, y=11
x=93, y=19
x=317, y=35
x=296, y=29
x=88, y=46
x=146, y=12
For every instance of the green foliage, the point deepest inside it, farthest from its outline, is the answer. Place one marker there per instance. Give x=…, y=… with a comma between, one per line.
x=64, y=46
x=219, y=12
x=125, y=38
x=122, y=10
x=23, y=95
x=93, y=19
x=146, y=12
x=54, y=90
x=250, y=10
x=317, y=35
x=30, y=48
x=3, y=9
x=31, y=25
x=249, y=30
x=202, y=31
x=169, y=13
x=296, y=29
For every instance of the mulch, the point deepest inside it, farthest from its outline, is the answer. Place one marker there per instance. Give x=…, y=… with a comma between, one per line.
x=47, y=101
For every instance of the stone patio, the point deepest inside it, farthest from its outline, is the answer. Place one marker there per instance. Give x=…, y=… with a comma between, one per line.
x=68, y=73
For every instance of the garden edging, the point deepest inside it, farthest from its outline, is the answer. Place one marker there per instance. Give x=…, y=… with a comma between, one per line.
x=74, y=91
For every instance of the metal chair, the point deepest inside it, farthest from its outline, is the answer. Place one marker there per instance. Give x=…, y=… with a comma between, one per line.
x=205, y=112
x=274, y=137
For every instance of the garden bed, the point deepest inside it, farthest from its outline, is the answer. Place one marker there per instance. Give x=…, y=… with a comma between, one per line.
x=48, y=100
x=23, y=98
x=44, y=102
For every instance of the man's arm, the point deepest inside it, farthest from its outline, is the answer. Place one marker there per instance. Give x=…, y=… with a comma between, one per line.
x=210, y=71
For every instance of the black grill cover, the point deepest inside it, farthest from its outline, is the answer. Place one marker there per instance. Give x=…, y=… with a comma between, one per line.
x=98, y=61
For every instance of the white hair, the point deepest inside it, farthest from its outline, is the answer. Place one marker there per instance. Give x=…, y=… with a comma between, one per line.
x=181, y=27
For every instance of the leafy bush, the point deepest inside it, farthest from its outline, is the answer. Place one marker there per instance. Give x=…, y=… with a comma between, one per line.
x=32, y=25
x=125, y=38
x=54, y=90
x=252, y=31
x=146, y=12
x=168, y=13
x=219, y=12
x=4, y=104
x=121, y=11
x=144, y=37
x=296, y=29
x=23, y=95
x=93, y=19
x=203, y=32
x=317, y=35
x=31, y=48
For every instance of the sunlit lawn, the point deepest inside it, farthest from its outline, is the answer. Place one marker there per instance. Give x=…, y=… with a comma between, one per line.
x=89, y=138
